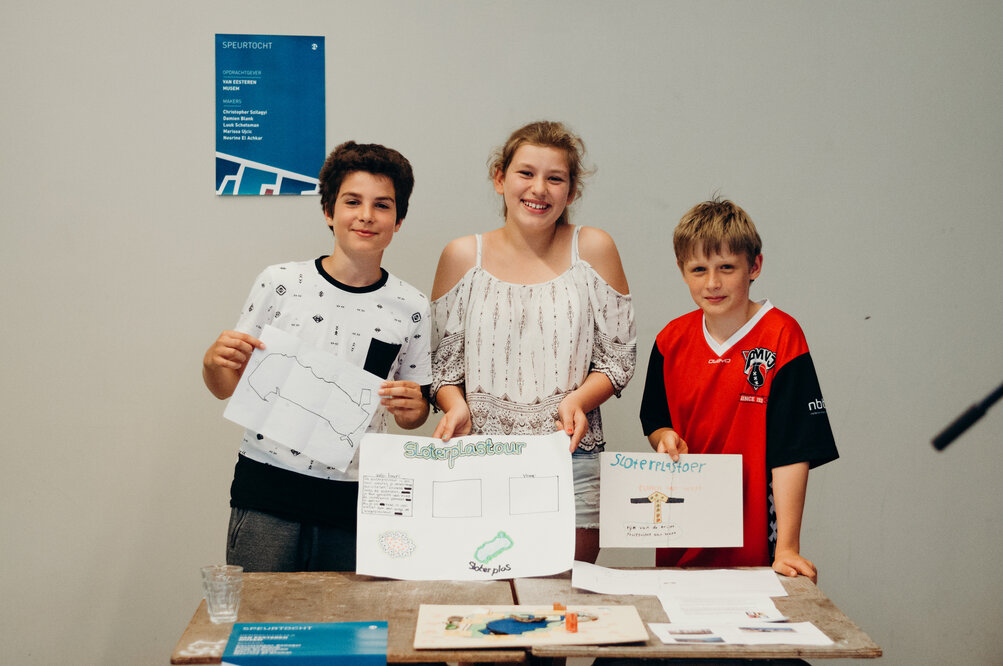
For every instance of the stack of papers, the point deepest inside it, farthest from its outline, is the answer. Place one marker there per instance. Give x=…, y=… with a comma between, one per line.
x=724, y=606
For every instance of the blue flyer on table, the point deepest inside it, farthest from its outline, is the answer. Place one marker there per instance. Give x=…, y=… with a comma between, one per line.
x=270, y=132
x=280, y=644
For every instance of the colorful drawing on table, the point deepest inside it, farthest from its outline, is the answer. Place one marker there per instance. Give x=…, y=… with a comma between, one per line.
x=649, y=500
x=305, y=399
x=473, y=508
x=469, y=627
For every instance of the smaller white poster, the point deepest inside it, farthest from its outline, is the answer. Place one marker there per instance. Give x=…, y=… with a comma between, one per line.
x=306, y=399
x=649, y=500
x=477, y=507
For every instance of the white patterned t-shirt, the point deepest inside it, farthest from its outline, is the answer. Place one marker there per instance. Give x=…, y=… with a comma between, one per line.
x=383, y=328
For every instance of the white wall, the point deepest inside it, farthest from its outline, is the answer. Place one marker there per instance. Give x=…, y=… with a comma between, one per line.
x=863, y=138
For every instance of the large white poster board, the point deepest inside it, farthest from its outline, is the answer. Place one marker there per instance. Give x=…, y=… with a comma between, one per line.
x=307, y=399
x=649, y=500
x=472, y=508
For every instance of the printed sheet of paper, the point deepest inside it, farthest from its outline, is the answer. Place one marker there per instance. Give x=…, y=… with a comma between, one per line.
x=306, y=399
x=758, y=582
x=594, y=578
x=648, y=500
x=722, y=596
x=468, y=627
x=750, y=633
x=473, y=508
x=720, y=609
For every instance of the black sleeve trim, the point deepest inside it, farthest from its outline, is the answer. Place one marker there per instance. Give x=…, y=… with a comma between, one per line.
x=797, y=425
x=654, y=403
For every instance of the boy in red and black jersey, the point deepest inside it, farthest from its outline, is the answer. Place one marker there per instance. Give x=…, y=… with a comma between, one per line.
x=736, y=376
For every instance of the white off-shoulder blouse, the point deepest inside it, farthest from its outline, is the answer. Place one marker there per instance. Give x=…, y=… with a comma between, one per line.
x=518, y=349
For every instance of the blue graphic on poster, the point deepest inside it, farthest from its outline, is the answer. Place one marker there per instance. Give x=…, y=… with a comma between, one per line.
x=270, y=132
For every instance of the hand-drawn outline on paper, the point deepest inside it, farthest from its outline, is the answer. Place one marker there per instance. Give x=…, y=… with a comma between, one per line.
x=308, y=400
x=493, y=548
x=345, y=415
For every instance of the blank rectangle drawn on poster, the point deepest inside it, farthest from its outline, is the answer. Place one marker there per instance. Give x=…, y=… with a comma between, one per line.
x=533, y=494
x=456, y=499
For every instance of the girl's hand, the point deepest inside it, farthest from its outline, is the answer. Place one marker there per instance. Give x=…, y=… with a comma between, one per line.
x=455, y=421
x=571, y=419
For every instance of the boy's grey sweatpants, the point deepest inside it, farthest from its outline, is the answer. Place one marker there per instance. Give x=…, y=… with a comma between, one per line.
x=259, y=541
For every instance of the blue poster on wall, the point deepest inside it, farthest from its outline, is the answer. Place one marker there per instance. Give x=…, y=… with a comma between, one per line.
x=270, y=134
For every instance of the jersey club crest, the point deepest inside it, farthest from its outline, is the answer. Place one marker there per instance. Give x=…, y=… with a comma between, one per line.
x=758, y=362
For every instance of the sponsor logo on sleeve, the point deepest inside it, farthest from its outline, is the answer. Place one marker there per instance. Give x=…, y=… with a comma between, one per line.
x=816, y=406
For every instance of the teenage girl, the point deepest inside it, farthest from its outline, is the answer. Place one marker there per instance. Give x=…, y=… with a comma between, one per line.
x=533, y=323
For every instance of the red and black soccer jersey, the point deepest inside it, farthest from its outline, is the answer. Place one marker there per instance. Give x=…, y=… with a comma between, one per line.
x=756, y=394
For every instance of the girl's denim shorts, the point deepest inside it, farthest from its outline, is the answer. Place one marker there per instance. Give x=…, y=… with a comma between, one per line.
x=585, y=465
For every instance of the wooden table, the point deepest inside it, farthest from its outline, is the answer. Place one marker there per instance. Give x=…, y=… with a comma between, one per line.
x=805, y=602
x=346, y=597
